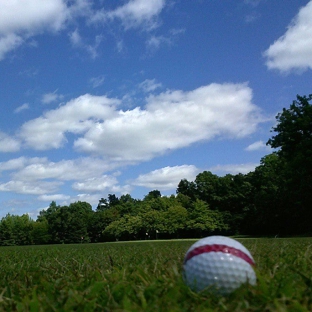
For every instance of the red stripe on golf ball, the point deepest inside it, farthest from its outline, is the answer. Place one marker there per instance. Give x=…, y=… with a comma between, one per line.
x=218, y=248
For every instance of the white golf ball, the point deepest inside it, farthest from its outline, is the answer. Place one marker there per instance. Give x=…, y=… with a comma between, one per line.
x=219, y=264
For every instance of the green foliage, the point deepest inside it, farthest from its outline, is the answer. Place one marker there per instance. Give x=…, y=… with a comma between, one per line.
x=147, y=276
x=294, y=132
x=16, y=230
x=202, y=221
x=294, y=140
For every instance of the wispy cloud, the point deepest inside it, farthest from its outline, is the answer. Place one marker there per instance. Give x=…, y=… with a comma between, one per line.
x=51, y=97
x=97, y=81
x=149, y=85
x=133, y=14
x=25, y=106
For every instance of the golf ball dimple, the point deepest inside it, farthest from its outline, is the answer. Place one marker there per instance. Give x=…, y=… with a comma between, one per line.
x=219, y=264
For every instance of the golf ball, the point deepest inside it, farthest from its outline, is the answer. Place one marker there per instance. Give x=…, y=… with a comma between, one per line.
x=219, y=264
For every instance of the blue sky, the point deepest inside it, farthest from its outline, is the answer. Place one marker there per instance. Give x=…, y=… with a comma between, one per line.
x=115, y=97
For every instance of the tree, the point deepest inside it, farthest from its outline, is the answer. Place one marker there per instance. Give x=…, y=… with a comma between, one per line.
x=40, y=232
x=152, y=195
x=126, y=228
x=202, y=221
x=175, y=219
x=102, y=205
x=16, y=230
x=267, y=209
x=294, y=132
x=187, y=188
x=113, y=200
x=294, y=140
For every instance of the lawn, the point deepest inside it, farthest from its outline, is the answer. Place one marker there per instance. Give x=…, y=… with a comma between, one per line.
x=146, y=276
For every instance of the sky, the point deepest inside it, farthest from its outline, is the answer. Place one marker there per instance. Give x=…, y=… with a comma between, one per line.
x=103, y=97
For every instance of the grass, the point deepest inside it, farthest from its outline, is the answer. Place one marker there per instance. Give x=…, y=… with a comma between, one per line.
x=134, y=276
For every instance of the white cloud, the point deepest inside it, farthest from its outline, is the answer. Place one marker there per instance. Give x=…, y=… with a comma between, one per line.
x=39, y=176
x=149, y=85
x=77, y=116
x=293, y=51
x=166, y=178
x=29, y=15
x=30, y=188
x=20, y=20
x=54, y=197
x=256, y=146
x=13, y=164
x=25, y=106
x=9, y=42
x=233, y=168
x=98, y=184
x=92, y=199
x=133, y=14
x=172, y=120
x=51, y=97
x=64, y=170
x=8, y=144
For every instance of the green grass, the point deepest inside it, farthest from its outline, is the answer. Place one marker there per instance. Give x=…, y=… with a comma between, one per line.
x=136, y=276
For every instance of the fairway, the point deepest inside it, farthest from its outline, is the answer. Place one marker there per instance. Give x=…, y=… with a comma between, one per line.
x=146, y=276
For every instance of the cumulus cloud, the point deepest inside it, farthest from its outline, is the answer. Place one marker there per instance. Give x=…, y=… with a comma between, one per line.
x=172, y=120
x=20, y=20
x=29, y=15
x=233, y=168
x=256, y=146
x=8, y=144
x=39, y=176
x=169, y=121
x=77, y=116
x=166, y=178
x=13, y=164
x=133, y=13
x=293, y=50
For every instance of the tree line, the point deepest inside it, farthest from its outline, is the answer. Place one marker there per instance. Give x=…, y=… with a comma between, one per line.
x=274, y=199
